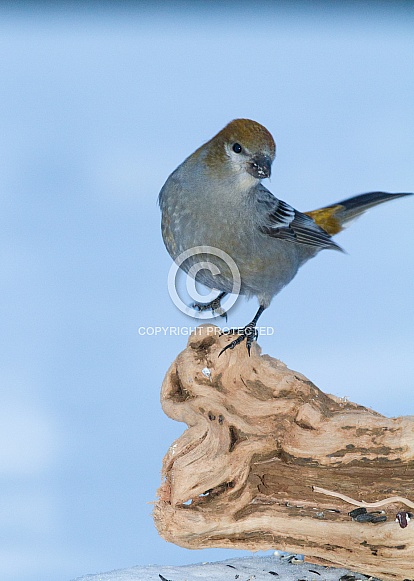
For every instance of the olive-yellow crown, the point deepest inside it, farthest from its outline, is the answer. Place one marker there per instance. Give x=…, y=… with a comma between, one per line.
x=240, y=135
x=250, y=134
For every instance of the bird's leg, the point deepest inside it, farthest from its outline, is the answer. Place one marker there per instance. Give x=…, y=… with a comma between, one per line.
x=248, y=333
x=214, y=305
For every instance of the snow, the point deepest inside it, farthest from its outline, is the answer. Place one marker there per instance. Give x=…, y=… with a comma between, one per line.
x=277, y=567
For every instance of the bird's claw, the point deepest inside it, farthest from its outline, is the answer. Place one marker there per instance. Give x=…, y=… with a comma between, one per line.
x=214, y=306
x=248, y=333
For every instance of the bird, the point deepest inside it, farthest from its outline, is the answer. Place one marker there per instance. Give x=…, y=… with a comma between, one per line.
x=215, y=198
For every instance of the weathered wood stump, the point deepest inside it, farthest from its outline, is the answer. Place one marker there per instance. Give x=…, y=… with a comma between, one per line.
x=270, y=461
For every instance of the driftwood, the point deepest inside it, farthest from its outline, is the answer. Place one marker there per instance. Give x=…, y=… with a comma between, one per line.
x=270, y=461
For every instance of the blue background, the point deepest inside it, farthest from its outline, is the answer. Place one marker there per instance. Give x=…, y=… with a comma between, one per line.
x=98, y=104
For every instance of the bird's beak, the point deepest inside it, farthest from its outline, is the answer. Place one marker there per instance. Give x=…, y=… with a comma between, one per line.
x=259, y=166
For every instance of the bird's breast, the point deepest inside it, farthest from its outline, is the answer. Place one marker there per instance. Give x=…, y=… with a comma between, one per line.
x=192, y=218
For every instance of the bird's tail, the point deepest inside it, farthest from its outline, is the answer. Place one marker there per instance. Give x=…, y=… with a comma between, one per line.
x=336, y=217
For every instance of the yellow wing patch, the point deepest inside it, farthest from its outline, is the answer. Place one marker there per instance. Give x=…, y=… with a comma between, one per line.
x=328, y=218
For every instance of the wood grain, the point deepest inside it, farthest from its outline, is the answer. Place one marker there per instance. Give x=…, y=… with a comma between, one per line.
x=260, y=437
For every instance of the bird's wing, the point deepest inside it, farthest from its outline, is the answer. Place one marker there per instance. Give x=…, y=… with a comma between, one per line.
x=279, y=220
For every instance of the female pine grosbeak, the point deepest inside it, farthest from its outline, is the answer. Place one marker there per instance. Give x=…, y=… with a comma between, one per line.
x=215, y=198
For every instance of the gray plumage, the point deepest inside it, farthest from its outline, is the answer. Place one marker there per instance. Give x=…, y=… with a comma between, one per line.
x=216, y=198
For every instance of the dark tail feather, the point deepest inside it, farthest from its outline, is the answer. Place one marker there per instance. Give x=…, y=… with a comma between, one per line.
x=335, y=217
x=354, y=207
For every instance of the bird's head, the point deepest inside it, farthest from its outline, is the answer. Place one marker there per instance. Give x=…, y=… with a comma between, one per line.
x=244, y=148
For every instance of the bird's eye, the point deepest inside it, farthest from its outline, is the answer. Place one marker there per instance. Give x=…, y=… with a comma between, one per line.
x=237, y=148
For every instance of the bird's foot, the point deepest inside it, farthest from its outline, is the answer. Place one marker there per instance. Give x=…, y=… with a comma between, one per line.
x=214, y=306
x=248, y=333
